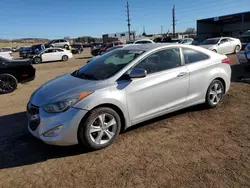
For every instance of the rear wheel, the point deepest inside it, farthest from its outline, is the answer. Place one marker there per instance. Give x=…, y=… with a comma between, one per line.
x=215, y=93
x=214, y=50
x=65, y=58
x=237, y=49
x=37, y=60
x=66, y=46
x=8, y=83
x=100, y=129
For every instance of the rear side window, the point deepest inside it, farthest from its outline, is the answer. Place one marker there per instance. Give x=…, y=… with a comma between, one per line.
x=192, y=56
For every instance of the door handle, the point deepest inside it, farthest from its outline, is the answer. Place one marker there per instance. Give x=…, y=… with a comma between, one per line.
x=181, y=74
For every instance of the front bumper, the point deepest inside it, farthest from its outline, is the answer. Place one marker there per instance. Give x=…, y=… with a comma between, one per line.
x=242, y=57
x=69, y=120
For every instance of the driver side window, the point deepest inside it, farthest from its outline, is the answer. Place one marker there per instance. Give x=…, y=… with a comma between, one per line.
x=161, y=61
x=223, y=41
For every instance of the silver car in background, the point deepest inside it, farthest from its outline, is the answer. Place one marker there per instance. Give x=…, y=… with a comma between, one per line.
x=222, y=45
x=125, y=87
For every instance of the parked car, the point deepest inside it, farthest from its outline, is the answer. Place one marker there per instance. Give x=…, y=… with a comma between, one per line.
x=143, y=41
x=59, y=43
x=29, y=52
x=7, y=55
x=109, y=50
x=76, y=48
x=125, y=87
x=5, y=49
x=244, y=56
x=105, y=47
x=222, y=45
x=13, y=72
x=52, y=54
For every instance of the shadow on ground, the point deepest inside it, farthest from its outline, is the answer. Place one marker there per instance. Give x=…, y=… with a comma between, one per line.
x=18, y=147
x=88, y=57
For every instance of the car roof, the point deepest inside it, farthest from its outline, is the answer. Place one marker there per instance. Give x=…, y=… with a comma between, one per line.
x=147, y=47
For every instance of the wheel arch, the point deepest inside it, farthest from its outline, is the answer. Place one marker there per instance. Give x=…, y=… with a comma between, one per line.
x=115, y=108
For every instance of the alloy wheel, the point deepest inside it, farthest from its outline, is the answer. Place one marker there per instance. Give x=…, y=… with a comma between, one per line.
x=215, y=93
x=7, y=84
x=103, y=129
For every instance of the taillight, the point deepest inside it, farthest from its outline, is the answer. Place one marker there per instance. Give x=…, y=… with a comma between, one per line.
x=227, y=61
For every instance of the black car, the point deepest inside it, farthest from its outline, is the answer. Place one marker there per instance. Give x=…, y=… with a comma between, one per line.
x=13, y=72
x=77, y=48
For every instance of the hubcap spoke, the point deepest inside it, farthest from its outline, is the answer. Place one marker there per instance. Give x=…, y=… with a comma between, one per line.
x=102, y=119
x=212, y=92
x=219, y=91
x=216, y=86
x=94, y=129
x=111, y=123
x=109, y=134
x=99, y=137
x=213, y=98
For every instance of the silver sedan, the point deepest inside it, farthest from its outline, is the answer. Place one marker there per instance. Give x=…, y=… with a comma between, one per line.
x=125, y=87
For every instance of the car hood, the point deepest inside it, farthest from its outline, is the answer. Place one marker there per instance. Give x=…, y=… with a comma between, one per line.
x=16, y=63
x=207, y=46
x=62, y=87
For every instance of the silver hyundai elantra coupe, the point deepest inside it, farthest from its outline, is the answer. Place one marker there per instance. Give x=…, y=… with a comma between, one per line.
x=125, y=87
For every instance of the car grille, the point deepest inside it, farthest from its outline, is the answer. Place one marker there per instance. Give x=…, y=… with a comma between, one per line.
x=33, y=115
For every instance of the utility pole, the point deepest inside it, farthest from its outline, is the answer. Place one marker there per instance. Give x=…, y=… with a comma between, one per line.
x=161, y=29
x=174, y=20
x=128, y=19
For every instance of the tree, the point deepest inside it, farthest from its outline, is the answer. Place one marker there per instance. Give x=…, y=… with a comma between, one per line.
x=190, y=30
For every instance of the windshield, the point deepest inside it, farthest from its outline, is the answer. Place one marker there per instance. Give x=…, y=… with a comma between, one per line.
x=107, y=65
x=210, y=41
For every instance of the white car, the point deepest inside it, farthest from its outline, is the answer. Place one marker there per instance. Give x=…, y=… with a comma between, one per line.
x=52, y=54
x=143, y=41
x=222, y=45
x=7, y=55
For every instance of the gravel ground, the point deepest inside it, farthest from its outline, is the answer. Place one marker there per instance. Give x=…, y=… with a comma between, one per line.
x=195, y=147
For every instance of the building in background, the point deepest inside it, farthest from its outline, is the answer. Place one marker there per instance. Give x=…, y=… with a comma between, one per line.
x=123, y=37
x=229, y=25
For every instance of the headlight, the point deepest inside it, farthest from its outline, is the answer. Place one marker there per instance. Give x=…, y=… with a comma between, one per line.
x=65, y=104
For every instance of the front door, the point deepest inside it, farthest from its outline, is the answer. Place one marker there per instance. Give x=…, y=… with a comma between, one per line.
x=163, y=89
x=224, y=46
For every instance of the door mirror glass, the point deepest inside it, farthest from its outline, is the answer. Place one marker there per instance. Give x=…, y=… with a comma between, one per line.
x=138, y=73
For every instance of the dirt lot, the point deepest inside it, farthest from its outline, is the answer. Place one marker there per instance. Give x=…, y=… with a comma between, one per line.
x=195, y=147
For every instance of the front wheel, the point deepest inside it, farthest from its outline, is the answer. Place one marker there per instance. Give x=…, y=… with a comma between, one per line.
x=214, y=94
x=8, y=83
x=65, y=58
x=100, y=129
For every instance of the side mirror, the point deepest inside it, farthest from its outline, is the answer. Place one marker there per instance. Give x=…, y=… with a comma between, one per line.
x=138, y=73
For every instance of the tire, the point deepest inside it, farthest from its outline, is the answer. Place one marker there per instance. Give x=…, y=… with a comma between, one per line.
x=237, y=49
x=37, y=60
x=99, y=138
x=65, y=58
x=65, y=46
x=8, y=83
x=214, y=51
x=215, y=93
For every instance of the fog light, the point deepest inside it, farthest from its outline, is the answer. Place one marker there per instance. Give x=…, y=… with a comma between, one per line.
x=53, y=132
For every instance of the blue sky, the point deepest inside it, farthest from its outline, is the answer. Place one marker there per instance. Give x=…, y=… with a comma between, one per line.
x=60, y=18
